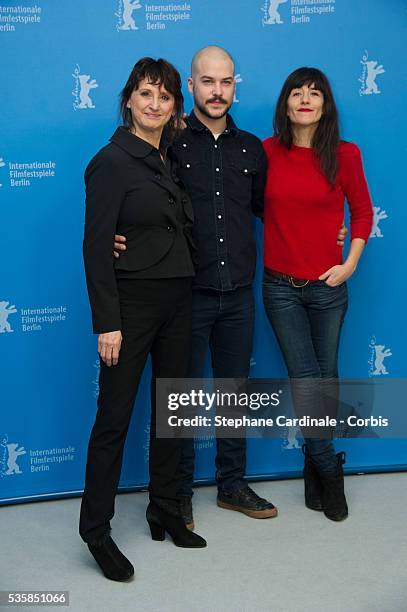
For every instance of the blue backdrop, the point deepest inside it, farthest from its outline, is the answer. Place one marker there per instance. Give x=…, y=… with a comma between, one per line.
x=63, y=65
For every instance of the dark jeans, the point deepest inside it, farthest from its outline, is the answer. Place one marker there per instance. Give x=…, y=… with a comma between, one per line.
x=156, y=319
x=224, y=323
x=307, y=322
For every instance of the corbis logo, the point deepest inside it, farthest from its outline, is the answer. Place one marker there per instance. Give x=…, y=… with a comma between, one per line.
x=9, y=452
x=124, y=14
x=370, y=71
x=378, y=353
x=5, y=311
x=378, y=215
x=82, y=87
x=271, y=13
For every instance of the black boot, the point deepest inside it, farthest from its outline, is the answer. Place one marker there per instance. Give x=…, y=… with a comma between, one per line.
x=312, y=482
x=333, y=494
x=112, y=562
x=167, y=518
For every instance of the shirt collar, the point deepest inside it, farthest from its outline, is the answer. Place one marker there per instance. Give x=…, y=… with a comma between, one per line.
x=132, y=144
x=198, y=126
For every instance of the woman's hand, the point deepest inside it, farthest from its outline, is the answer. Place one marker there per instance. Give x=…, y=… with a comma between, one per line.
x=109, y=347
x=338, y=274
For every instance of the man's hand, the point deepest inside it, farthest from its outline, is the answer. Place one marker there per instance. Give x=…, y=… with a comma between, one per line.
x=343, y=232
x=109, y=347
x=119, y=245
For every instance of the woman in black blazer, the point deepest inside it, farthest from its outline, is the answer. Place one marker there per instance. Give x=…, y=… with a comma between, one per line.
x=141, y=303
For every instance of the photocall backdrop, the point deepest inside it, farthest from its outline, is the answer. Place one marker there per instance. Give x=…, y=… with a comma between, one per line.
x=63, y=65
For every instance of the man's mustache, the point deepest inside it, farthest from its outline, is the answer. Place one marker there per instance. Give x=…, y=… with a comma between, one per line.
x=216, y=100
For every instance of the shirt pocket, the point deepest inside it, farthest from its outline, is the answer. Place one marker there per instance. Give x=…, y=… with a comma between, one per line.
x=242, y=166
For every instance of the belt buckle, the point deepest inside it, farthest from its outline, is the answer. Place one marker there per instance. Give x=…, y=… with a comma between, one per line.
x=290, y=278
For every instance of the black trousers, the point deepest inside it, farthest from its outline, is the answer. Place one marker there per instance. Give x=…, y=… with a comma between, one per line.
x=156, y=319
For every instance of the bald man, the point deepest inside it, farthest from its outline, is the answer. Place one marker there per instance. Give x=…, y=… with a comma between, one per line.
x=224, y=170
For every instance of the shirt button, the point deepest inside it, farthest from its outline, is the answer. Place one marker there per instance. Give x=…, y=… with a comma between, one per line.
x=188, y=165
x=171, y=200
x=218, y=193
x=246, y=171
x=184, y=144
x=222, y=263
x=219, y=216
x=215, y=146
x=170, y=229
x=217, y=169
x=220, y=239
x=244, y=150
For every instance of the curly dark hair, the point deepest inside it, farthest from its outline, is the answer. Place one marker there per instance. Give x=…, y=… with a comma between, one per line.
x=326, y=138
x=158, y=72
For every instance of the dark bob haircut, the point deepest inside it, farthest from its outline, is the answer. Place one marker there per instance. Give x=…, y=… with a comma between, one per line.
x=157, y=72
x=326, y=138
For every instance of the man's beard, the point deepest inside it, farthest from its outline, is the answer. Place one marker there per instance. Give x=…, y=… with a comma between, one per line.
x=206, y=113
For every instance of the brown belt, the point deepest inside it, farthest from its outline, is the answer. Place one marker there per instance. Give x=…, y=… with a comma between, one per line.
x=294, y=282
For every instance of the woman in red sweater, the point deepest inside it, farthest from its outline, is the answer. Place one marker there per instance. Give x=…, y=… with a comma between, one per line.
x=310, y=173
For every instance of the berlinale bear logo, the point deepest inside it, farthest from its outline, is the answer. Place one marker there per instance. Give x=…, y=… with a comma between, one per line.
x=125, y=14
x=8, y=457
x=5, y=312
x=271, y=12
x=378, y=215
x=82, y=88
x=369, y=73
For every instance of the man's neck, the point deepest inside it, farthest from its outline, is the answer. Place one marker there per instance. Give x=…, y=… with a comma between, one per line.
x=216, y=126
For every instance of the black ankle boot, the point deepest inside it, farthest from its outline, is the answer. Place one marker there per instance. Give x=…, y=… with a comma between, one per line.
x=169, y=519
x=112, y=562
x=333, y=493
x=312, y=482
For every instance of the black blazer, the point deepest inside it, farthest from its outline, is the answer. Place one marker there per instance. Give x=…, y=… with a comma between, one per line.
x=130, y=191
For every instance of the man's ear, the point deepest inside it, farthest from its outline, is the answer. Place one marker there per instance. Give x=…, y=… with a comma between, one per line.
x=190, y=85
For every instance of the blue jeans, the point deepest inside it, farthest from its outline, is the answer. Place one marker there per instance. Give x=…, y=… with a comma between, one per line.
x=222, y=322
x=307, y=322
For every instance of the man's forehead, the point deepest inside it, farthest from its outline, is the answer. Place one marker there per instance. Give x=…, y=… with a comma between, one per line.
x=219, y=67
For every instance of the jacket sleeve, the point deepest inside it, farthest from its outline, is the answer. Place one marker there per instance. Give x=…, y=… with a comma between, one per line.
x=259, y=184
x=104, y=195
x=356, y=191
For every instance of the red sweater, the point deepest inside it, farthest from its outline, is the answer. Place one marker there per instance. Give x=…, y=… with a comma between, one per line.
x=302, y=214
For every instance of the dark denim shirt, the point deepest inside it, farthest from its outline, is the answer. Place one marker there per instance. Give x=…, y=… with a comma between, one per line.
x=225, y=179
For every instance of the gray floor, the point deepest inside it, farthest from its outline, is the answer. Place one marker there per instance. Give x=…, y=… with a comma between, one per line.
x=299, y=561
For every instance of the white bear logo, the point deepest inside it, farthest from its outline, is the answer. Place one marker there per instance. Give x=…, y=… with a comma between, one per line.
x=128, y=22
x=85, y=87
x=380, y=355
x=274, y=16
x=14, y=451
x=368, y=79
x=378, y=215
x=8, y=457
x=5, y=311
x=238, y=79
x=292, y=441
